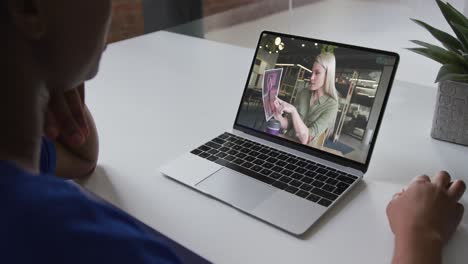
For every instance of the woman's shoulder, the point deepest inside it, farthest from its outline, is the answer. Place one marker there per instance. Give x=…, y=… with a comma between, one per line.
x=331, y=101
x=302, y=98
x=303, y=95
x=304, y=92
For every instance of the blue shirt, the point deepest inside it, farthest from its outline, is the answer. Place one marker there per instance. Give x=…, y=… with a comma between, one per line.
x=45, y=219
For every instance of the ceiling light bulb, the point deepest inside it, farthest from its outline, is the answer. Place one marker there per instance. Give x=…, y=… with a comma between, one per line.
x=277, y=41
x=303, y=45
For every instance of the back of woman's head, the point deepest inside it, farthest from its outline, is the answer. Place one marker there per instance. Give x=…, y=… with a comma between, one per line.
x=328, y=61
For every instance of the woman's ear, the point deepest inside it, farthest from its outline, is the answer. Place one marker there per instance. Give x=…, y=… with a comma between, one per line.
x=27, y=16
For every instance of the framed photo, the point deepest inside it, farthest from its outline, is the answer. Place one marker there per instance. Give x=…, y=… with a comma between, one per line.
x=270, y=90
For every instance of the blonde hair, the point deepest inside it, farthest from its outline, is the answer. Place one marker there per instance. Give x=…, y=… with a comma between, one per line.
x=328, y=61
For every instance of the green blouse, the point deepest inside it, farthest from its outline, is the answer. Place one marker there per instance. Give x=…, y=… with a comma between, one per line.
x=316, y=117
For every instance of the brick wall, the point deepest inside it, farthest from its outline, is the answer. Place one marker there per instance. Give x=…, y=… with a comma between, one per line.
x=226, y=13
x=211, y=7
x=127, y=20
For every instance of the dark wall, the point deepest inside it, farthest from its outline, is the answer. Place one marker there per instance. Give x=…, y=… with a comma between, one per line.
x=164, y=14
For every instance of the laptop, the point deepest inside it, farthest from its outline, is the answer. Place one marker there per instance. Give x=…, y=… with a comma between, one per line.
x=304, y=132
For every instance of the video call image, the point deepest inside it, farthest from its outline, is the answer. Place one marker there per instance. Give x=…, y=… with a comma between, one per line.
x=323, y=96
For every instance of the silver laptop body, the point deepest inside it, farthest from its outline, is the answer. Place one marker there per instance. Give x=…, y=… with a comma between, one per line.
x=265, y=196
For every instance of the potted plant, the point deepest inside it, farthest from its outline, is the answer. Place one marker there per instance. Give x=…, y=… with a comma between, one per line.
x=450, y=121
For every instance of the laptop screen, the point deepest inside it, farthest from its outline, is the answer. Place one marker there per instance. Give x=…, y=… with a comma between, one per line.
x=324, y=96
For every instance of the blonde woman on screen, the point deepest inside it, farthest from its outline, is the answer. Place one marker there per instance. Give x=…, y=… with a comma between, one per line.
x=315, y=109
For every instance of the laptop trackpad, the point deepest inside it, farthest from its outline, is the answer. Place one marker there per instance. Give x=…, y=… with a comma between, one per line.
x=237, y=189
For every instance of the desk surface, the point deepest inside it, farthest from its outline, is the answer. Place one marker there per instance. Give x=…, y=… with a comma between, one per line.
x=159, y=95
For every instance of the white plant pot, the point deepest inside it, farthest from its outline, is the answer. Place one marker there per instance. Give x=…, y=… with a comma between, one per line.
x=451, y=113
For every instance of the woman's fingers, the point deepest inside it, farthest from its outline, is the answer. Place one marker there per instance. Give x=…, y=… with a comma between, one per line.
x=421, y=178
x=69, y=128
x=279, y=106
x=75, y=104
x=51, y=125
x=456, y=190
x=276, y=103
x=81, y=92
x=442, y=179
x=396, y=195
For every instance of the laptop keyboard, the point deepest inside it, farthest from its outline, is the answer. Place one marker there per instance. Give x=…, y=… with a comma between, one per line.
x=301, y=177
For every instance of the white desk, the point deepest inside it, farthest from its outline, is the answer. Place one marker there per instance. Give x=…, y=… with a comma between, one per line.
x=162, y=94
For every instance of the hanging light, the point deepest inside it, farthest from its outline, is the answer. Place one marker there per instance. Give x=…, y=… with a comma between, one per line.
x=277, y=41
x=281, y=46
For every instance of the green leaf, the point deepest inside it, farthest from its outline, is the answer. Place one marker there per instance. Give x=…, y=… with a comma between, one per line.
x=429, y=46
x=463, y=31
x=454, y=77
x=453, y=16
x=427, y=53
x=450, y=72
x=439, y=54
x=460, y=16
x=455, y=58
x=446, y=39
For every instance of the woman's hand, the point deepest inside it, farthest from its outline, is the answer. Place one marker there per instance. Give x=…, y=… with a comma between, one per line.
x=423, y=217
x=277, y=113
x=71, y=126
x=282, y=106
x=66, y=118
x=427, y=208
